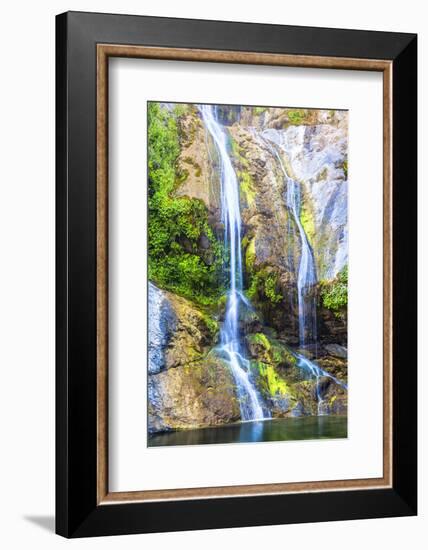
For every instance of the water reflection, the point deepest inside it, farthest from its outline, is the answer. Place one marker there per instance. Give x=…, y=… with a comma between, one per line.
x=279, y=429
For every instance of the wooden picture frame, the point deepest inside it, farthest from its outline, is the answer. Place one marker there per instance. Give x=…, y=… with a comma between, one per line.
x=85, y=42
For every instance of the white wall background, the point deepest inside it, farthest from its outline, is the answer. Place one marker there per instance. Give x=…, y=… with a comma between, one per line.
x=27, y=272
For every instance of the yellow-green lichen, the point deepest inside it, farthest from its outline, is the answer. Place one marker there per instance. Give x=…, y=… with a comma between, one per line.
x=211, y=324
x=296, y=116
x=247, y=188
x=281, y=355
x=238, y=152
x=250, y=255
x=307, y=221
x=271, y=381
x=261, y=339
x=192, y=162
x=271, y=284
x=259, y=110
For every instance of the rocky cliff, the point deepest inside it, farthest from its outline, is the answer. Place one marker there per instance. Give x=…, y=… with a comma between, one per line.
x=190, y=384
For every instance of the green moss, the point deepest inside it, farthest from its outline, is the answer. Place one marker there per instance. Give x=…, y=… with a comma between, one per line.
x=180, y=177
x=308, y=223
x=246, y=187
x=261, y=339
x=177, y=223
x=334, y=294
x=271, y=382
x=189, y=160
x=259, y=110
x=238, y=152
x=212, y=325
x=250, y=255
x=296, y=116
x=264, y=286
x=345, y=168
x=271, y=284
x=276, y=355
x=181, y=109
x=282, y=355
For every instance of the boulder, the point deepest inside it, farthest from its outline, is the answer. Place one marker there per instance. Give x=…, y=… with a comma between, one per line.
x=179, y=332
x=195, y=395
x=336, y=350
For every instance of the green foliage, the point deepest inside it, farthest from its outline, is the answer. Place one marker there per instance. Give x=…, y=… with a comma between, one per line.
x=308, y=223
x=260, y=339
x=238, y=152
x=334, y=295
x=181, y=109
x=271, y=283
x=176, y=224
x=271, y=382
x=256, y=281
x=296, y=116
x=250, y=255
x=246, y=187
x=211, y=324
x=345, y=168
x=264, y=286
x=259, y=110
x=246, y=184
x=282, y=355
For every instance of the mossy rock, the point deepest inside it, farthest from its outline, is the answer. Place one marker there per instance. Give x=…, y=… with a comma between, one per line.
x=195, y=332
x=195, y=395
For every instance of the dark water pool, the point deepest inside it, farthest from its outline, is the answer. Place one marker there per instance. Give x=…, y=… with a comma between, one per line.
x=279, y=429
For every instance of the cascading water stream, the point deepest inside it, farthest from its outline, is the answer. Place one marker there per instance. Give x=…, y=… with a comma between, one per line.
x=306, y=276
x=230, y=341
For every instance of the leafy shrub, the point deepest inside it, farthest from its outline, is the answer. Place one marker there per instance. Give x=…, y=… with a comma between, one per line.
x=271, y=283
x=296, y=116
x=334, y=295
x=263, y=286
x=176, y=224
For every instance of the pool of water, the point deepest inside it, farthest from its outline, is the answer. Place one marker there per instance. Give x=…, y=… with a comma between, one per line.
x=278, y=429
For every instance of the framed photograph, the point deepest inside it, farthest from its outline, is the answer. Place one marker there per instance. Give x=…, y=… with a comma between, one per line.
x=236, y=274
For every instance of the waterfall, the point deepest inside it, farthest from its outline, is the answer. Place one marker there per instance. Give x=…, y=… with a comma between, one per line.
x=306, y=279
x=230, y=338
x=306, y=275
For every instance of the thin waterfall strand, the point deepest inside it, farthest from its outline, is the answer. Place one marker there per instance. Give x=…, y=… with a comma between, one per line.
x=306, y=279
x=306, y=276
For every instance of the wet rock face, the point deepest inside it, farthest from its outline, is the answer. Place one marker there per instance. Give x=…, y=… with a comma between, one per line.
x=287, y=388
x=197, y=165
x=186, y=386
x=332, y=329
x=317, y=155
x=337, y=351
x=314, y=155
x=178, y=331
x=162, y=325
x=195, y=395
